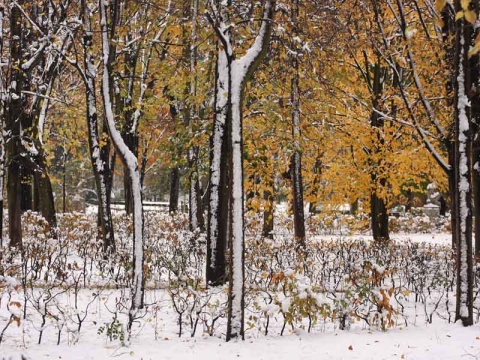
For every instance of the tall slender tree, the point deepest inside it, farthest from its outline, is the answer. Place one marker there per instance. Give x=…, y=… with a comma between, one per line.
x=466, y=80
x=232, y=75
x=297, y=181
x=128, y=158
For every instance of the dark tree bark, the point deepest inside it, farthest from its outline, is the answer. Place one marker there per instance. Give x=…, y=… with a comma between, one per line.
x=448, y=30
x=195, y=205
x=466, y=81
x=409, y=206
x=218, y=189
x=129, y=133
x=174, y=189
x=12, y=126
x=378, y=209
x=99, y=153
x=268, y=213
x=235, y=73
x=32, y=77
x=297, y=181
x=3, y=95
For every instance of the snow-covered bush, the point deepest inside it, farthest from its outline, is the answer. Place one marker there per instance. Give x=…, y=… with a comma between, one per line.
x=56, y=285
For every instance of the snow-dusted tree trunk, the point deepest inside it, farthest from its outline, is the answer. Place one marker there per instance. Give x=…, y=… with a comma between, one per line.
x=195, y=209
x=12, y=128
x=128, y=159
x=129, y=131
x=34, y=66
x=3, y=97
x=100, y=168
x=233, y=73
x=464, y=86
x=218, y=193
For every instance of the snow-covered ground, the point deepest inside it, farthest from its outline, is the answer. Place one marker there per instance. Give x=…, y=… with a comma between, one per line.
x=155, y=335
x=444, y=239
x=436, y=341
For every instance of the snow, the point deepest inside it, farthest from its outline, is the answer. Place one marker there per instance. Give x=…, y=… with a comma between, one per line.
x=412, y=344
x=435, y=341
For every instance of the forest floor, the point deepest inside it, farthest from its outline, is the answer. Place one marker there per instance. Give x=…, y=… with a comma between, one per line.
x=156, y=337
x=436, y=341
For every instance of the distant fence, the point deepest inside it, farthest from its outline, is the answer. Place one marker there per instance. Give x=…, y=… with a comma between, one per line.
x=157, y=206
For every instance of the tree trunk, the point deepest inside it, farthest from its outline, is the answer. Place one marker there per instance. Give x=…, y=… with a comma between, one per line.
x=174, y=190
x=45, y=199
x=99, y=154
x=476, y=198
x=378, y=209
x=465, y=81
x=379, y=218
x=453, y=193
x=128, y=159
x=409, y=205
x=195, y=208
x=268, y=213
x=29, y=198
x=236, y=302
x=46, y=202
x=12, y=127
x=127, y=190
x=3, y=93
x=476, y=204
x=14, y=210
x=218, y=189
x=297, y=181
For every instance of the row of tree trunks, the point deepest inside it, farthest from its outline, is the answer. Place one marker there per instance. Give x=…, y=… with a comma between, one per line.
x=27, y=104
